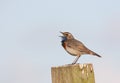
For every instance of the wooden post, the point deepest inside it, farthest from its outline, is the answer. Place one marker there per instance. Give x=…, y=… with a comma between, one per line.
x=77, y=73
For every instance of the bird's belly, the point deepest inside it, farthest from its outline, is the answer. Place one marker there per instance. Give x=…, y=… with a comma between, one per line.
x=72, y=51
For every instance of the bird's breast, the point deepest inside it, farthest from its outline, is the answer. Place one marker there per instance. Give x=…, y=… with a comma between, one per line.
x=72, y=51
x=64, y=45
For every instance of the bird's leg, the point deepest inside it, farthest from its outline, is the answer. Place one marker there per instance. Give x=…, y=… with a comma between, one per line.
x=76, y=59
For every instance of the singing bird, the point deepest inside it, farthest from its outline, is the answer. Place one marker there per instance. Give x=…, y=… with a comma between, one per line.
x=74, y=46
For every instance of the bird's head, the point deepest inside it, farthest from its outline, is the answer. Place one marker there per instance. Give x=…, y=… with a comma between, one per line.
x=67, y=35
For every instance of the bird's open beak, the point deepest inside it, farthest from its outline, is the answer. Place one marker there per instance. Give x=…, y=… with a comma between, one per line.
x=61, y=33
x=59, y=36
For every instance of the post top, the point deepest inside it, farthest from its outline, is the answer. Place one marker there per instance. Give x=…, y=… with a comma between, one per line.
x=78, y=64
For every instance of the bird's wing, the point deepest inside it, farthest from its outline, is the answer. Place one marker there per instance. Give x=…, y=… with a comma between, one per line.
x=77, y=45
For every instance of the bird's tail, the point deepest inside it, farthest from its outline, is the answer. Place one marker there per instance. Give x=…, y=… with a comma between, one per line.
x=93, y=53
x=96, y=54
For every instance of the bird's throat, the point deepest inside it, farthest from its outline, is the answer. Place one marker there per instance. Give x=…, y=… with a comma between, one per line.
x=63, y=42
x=63, y=39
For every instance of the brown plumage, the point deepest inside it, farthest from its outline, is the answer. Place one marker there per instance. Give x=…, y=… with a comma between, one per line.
x=75, y=47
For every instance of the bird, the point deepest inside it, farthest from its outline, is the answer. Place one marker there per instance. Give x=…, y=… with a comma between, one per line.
x=75, y=47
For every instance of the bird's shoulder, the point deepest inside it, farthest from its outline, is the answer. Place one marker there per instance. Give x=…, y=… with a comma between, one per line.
x=76, y=44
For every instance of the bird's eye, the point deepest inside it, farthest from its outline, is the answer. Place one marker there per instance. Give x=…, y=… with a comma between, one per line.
x=66, y=34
